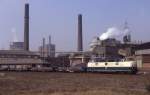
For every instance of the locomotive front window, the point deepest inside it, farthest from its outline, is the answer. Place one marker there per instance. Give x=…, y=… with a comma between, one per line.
x=117, y=63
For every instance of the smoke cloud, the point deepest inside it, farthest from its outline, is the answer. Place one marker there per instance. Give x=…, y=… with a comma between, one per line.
x=14, y=33
x=113, y=32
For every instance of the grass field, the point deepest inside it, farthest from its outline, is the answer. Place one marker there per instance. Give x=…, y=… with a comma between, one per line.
x=49, y=83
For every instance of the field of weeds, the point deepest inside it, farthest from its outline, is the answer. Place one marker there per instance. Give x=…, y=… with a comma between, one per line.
x=50, y=83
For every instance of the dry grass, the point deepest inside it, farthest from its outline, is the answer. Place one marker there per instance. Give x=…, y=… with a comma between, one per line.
x=40, y=83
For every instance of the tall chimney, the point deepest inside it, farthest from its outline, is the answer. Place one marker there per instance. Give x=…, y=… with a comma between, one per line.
x=49, y=39
x=26, y=28
x=80, y=42
x=44, y=43
x=43, y=48
x=49, y=46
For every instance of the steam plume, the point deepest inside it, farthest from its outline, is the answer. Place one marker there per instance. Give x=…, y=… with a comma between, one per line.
x=113, y=32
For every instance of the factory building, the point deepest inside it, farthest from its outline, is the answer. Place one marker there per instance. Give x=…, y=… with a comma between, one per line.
x=18, y=60
x=110, y=47
x=18, y=57
x=47, y=50
x=105, y=48
x=17, y=46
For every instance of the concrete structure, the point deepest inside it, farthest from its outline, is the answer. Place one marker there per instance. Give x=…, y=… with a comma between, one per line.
x=80, y=39
x=78, y=61
x=18, y=60
x=17, y=46
x=26, y=28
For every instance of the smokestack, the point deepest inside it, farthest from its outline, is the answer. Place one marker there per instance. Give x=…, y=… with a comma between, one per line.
x=49, y=46
x=80, y=42
x=49, y=40
x=44, y=43
x=26, y=28
x=43, y=47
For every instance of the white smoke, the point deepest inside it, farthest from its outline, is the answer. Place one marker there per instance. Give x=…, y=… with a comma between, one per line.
x=14, y=33
x=113, y=32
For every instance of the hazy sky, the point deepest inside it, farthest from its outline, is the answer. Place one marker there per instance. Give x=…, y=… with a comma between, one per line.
x=58, y=18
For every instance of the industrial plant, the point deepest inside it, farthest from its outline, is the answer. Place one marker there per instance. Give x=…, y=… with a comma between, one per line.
x=106, y=47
